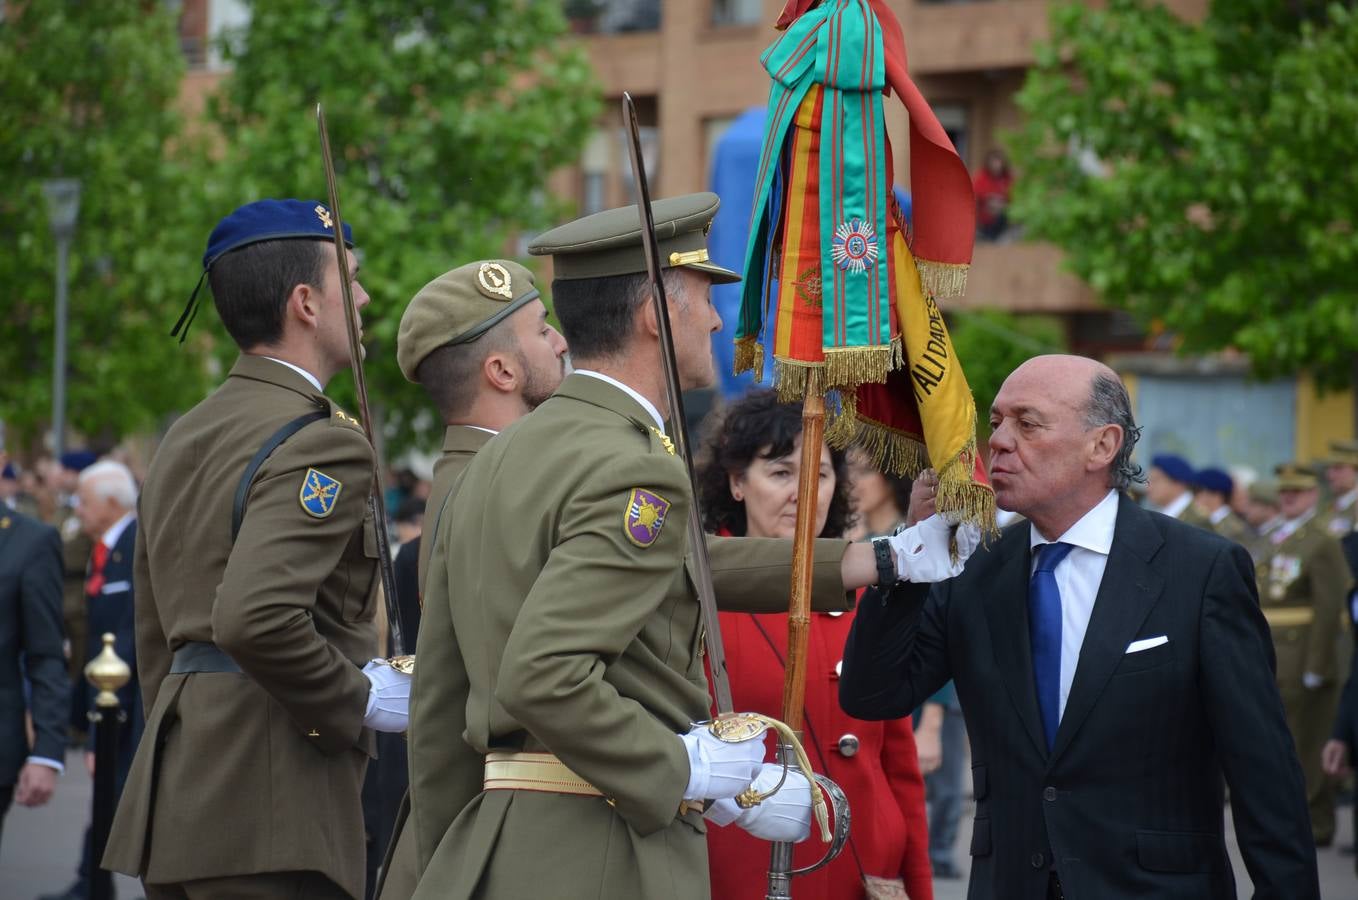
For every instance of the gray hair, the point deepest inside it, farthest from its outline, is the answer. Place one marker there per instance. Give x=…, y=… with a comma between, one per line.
x=1109, y=405
x=111, y=480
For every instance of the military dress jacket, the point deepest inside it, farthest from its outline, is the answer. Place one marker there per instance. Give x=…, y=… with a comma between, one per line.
x=1304, y=582
x=460, y=444
x=1233, y=528
x=559, y=579
x=260, y=770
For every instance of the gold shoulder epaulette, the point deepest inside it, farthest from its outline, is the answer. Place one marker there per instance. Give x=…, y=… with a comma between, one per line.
x=340, y=417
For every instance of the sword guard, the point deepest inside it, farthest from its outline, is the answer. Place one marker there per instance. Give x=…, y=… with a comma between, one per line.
x=405, y=664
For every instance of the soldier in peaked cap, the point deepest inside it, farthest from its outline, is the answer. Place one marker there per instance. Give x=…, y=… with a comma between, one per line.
x=560, y=572
x=1341, y=473
x=256, y=571
x=478, y=341
x=1304, y=581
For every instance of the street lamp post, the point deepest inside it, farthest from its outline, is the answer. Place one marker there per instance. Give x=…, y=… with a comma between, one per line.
x=63, y=205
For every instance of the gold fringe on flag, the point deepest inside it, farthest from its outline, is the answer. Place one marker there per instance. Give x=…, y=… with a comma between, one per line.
x=942, y=279
x=891, y=450
x=749, y=356
x=848, y=367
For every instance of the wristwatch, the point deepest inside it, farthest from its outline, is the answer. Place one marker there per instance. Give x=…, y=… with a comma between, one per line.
x=886, y=562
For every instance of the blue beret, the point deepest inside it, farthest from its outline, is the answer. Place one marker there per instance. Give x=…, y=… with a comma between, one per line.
x=263, y=220
x=78, y=460
x=9, y=474
x=1175, y=467
x=271, y=220
x=1214, y=479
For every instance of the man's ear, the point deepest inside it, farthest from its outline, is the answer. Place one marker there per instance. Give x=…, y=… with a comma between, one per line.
x=304, y=305
x=647, y=318
x=501, y=371
x=1107, y=441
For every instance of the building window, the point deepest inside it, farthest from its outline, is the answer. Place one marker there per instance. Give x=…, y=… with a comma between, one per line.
x=955, y=120
x=737, y=12
x=613, y=16
x=594, y=168
x=713, y=129
x=228, y=22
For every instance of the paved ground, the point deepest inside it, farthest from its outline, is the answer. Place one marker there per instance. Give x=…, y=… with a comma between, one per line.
x=38, y=852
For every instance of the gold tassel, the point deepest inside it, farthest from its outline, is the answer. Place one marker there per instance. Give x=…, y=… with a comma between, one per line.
x=940, y=279
x=890, y=450
x=749, y=356
x=958, y=494
x=792, y=379
x=848, y=367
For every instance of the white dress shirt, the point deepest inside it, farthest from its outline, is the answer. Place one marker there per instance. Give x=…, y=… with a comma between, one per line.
x=1176, y=506
x=1078, y=577
x=315, y=382
x=1218, y=514
x=645, y=404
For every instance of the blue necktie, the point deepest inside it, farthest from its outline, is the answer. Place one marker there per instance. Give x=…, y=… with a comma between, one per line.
x=1044, y=631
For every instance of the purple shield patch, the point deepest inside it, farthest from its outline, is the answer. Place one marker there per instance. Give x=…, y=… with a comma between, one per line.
x=645, y=516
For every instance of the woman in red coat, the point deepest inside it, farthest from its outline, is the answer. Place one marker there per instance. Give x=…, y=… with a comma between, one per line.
x=748, y=482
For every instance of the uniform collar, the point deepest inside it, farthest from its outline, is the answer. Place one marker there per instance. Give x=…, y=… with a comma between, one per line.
x=271, y=371
x=611, y=394
x=115, y=531
x=629, y=391
x=465, y=438
x=315, y=382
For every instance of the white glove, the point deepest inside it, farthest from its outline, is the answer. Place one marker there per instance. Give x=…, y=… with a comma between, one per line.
x=924, y=551
x=786, y=816
x=388, y=699
x=717, y=769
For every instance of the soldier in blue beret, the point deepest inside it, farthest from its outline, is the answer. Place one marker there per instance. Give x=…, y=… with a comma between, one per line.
x=256, y=569
x=1212, y=490
x=1169, y=488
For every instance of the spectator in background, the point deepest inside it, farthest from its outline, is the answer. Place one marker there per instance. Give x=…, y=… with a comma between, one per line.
x=879, y=503
x=12, y=494
x=76, y=547
x=106, y=508
x=1212, y=491
x=992, y=186
x=748, y=482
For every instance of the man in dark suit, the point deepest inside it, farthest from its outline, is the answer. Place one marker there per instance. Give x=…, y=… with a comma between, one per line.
x=106, y=507
x=30, y=647
x=1113, y=666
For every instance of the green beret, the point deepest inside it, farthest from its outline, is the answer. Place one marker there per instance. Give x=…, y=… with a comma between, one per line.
x=609, y=243
x=1265, y=492
x=1295, y=477
x=1343, y=453
x=460, y=306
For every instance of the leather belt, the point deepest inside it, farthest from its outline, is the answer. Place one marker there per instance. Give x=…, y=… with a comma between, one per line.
x=201, y=656
x=1287, y=616
x=534, y=772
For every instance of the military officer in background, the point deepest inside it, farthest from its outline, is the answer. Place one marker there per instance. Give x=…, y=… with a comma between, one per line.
x=1263, y=517
x=562, y=564
x=478, y=341
x=1303, y=583
x=1341, y=474
x=1212, y=490
x=256, y=569
x=1169, y=489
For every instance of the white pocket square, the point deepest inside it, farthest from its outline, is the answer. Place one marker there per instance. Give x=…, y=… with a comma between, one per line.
x=116, y=587
x=1147, y=643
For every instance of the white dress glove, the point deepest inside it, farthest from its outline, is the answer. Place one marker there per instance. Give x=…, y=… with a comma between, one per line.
x=388, y=699
x=924, y=551
x=786, y=816
x=718, y=769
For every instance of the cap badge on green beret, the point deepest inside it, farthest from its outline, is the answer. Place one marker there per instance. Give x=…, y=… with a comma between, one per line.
x=324, y=215
x=493, y=281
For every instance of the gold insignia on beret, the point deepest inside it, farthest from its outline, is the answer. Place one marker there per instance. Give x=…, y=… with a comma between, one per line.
x=493, y=280
x=324, y=215
x=4, y=523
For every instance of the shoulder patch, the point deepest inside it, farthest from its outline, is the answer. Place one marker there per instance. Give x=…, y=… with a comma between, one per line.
x=645, y=516
x=318, y=493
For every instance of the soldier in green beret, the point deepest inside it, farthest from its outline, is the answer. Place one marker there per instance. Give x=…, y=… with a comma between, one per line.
x=256, y=575
x=1303, y=583
x=560, y=574
x=478, y=341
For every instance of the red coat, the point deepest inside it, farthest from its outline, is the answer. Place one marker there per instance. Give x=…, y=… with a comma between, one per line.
x=889, y=834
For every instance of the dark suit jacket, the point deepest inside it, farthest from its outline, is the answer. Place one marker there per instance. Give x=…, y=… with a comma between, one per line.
x=1346, y=718
x=113, y=611
x=30, y=643
x=1128, y=804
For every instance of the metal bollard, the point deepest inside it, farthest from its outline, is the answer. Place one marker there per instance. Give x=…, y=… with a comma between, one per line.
x=106, y=672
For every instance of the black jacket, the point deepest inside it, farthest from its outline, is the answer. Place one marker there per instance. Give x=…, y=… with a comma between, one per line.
x=1129, y=802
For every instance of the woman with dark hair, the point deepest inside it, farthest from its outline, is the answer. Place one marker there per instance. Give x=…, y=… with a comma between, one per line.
x=748, y=482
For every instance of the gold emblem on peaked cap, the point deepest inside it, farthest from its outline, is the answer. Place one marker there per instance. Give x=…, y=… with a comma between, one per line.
x=493, y=280
x=324, y=215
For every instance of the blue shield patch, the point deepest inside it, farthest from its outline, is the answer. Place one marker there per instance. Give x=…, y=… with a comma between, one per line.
x=319, y=493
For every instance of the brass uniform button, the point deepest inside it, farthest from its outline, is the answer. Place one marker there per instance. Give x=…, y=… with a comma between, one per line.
x=848, y=745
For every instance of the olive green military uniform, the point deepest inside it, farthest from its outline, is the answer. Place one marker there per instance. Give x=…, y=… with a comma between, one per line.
x=1233, y=528
x=458, y=307
x=1341, y=513
x=1303, y=580
x=256, y=772
x=575, y=641
x=76, y=547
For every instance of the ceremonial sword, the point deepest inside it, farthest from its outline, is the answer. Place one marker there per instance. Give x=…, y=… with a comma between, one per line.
x=789, y=745
x=377, y=507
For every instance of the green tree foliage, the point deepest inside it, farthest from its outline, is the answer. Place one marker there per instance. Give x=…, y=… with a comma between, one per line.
x=87, y=91
x=991, y=344
x=445, y=120
x=1202, y=175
